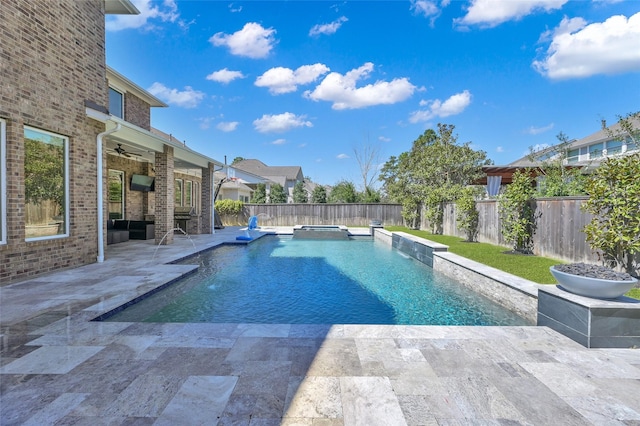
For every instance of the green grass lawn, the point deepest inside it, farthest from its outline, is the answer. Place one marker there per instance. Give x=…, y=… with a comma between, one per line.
x=533, y=268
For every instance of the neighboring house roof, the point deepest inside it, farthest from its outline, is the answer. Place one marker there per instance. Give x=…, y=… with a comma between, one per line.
x=236, y=184
x=278, y=174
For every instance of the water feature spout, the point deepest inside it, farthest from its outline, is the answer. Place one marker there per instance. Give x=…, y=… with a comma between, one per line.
x=169, y=232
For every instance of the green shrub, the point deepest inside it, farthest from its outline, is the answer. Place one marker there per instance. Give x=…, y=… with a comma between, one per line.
x=614, y=202
x=229, y=207
x=517, y=212
x=468, y=216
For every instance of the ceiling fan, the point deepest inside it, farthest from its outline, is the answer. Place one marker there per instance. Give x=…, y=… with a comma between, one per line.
x=121, y=151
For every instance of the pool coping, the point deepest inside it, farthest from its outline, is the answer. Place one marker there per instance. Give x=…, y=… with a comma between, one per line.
x=594, y=323
x=514, y=293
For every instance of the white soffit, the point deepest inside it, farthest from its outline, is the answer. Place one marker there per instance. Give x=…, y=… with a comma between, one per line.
x=120, y=7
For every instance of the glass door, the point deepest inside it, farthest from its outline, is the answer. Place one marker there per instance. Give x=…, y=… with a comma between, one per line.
x=116, y=194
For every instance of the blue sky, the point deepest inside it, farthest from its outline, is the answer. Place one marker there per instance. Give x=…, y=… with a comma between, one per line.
x=309, y=82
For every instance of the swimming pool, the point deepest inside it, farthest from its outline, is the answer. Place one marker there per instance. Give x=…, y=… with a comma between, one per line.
x=280, y=280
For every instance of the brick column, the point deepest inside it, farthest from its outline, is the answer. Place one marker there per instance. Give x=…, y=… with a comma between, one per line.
x=165, y=196
x=207, y=189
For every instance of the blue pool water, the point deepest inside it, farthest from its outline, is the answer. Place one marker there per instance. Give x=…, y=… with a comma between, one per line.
x=278, y=280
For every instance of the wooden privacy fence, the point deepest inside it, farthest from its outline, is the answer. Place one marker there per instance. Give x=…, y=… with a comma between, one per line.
x=323, y=214
x=559, y=224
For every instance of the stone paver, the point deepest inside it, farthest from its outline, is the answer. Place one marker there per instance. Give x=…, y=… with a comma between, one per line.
x=58, y=367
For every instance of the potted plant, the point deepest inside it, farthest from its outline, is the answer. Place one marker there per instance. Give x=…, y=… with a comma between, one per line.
x=614, y=230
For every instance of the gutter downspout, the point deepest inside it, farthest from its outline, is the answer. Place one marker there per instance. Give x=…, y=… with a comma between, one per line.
x=99, y=138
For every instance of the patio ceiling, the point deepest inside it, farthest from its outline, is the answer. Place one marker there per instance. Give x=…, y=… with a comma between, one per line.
x=145, y=144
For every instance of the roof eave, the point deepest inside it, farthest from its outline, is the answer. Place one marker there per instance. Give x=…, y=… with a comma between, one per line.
x=120, y=80
x=120, y=7
x=145, y=139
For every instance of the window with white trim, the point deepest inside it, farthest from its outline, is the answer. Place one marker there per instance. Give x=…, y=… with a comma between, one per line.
x=178, y=191
x=116, y=194
x=46, y=182
x=197, y=196
x=116, y=103
x=188, y=193
x=3, y=182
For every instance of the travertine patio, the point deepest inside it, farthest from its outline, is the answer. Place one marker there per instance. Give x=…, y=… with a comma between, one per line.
x=56, y=367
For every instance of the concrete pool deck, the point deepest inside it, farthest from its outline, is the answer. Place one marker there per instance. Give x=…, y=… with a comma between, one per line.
x=57, y=367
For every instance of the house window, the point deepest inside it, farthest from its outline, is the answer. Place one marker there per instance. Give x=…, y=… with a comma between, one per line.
x=178, y=190
x=595, y=151
x=116, y=103
x=116, y=194
x=188, y=191
x=46, y=175
x=614, y=147
x=3, y=183
x=631, y=145
x=196, y=196
x=573, y=156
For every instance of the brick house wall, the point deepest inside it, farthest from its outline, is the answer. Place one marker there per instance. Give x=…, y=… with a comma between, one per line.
x=52, y=60
x=137, y=203
x=137, y=111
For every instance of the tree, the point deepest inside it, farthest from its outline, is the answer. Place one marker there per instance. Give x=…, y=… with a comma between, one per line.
x=277, y=195
x=237, y=160
x=614, y=202
x=517, y=212
x=628, y=128
x=300, y=194
x=434, y=172
x=468, y=216
x=556, y=179
x=260, y=194
x=370, y=195
x=343, y=192
x=319, y=195
x=368, y=160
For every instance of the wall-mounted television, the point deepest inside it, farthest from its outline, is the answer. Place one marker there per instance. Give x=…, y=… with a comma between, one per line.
x=142, y=183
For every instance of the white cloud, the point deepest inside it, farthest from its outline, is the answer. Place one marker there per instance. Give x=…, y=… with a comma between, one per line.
x=342, y=91
x=537, y=130
x=281, y=80
x=384, y=139
x=425, y=8
x=227, y=126
x=224, y=76
x=327, y=29
x=252, y=41
x=342, y=156
x=578, y=50
x=436, y=108
x=490, y=13
x=150, y=12
x=205, y=122
x=499, y=149
x=188, y=98
x=234, y=9
x=280, y=123
x=279, y=142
